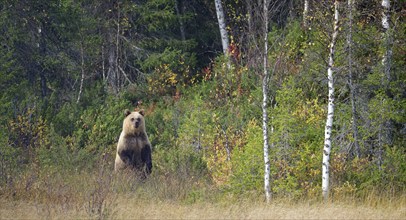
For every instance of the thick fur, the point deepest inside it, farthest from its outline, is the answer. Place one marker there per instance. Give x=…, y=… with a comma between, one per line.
x=134, y=148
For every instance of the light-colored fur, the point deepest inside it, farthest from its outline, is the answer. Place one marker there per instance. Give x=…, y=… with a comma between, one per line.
x=132, y=143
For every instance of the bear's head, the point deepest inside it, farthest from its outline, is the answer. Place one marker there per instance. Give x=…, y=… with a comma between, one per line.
x=134, y=122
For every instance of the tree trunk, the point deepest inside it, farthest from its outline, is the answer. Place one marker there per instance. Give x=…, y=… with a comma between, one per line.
x=226, y=143
x=305, y=13
x=351, y=81
x=222, y=26
x=103, y=64
x=118, y=78
x=386, y=127
x=386, y=61
x=265, y=78
x=112, y=70
x=179, y=13
x=43, y=51
x=330, y=111
x=82, y=68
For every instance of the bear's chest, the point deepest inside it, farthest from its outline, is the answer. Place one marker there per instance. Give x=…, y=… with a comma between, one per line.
x=133, y=143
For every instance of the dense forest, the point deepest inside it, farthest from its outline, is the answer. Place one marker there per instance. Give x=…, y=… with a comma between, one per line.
x=69, y=69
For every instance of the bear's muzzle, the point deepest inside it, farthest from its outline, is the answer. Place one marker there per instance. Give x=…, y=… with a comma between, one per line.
x=137, y=123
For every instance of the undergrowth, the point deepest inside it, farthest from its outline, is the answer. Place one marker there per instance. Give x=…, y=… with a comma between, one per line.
x=97, y=193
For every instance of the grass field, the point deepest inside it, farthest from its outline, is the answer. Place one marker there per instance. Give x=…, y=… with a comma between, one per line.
x=101, y=195
x=133, y=208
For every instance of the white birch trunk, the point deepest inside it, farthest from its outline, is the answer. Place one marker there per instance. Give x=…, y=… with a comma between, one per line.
x=387, y=38
x=330, y=111
x=82, y=71
x=305, y=13
x=350, y=5
x=386, y=127
x=385, y=15
x=267, y=187
x=103, y=65
x=222, y=26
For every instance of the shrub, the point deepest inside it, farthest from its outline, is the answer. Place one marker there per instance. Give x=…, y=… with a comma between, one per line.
x=248, y=162
x=98, y=129
x=27, y=132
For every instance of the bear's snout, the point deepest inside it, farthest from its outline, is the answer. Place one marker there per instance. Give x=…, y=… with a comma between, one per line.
x=137, y=123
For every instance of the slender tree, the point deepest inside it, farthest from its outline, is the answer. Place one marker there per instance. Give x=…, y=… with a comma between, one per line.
x=222, y=26
x=386, y=127
x=265, y=80
x=179, y=12
x=113, y=49
x=388, y=51
x=82, y=70
x=305, y=13
x=330, y=111
x=351, y=84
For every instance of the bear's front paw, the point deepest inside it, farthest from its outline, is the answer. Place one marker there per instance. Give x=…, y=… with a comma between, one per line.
x=149, y=167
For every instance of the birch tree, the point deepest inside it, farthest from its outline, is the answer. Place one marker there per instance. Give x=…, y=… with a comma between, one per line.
x=385, y=131
x=265, y=78
x=222, y=26
x=82, y=70
x=305, y=13
x=330, y=110
x=388, y=51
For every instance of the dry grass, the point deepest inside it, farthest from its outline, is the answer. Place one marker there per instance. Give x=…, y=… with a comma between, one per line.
x=132, y=208
x=165, y=210
x=101, y=195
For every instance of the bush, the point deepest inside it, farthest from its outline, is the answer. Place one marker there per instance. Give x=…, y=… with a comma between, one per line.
x=297, y=139
x=98, y=129
x=9, y=156
x=26, y=133
x=248, y=162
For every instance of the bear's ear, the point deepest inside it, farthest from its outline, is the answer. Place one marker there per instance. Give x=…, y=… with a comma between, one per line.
x=142, y=112
x=126, y=112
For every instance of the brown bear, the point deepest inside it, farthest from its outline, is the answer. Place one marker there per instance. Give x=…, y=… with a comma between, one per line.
x=134, y=148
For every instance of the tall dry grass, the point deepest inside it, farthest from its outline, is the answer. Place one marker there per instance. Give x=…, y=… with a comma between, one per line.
x=102, y=195
x=131, y=207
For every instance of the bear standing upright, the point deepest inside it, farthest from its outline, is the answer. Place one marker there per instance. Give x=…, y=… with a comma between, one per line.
x=134, y=148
